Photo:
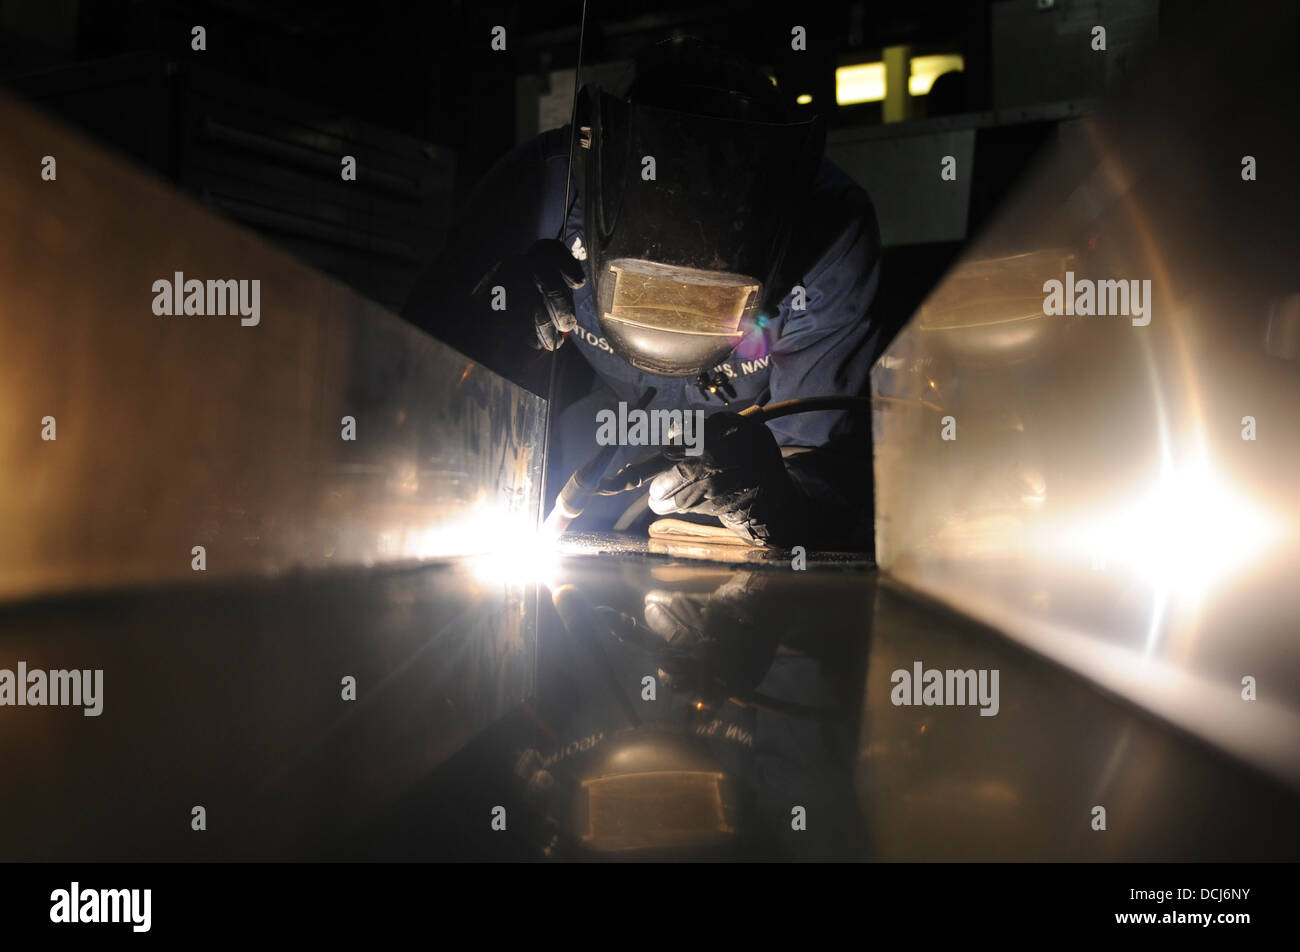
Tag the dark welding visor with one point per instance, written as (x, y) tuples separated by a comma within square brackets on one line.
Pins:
[(686, 219)]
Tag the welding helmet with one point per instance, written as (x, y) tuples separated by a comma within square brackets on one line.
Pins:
[(689, 186)]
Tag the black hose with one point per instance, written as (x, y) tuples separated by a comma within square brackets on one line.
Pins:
[(806, 405)]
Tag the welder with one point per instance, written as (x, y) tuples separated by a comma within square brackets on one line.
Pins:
[(702, 248)]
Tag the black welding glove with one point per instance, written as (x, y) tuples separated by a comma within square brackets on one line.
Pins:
[(740, 478), (538, 285)]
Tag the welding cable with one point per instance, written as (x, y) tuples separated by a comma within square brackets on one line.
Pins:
[(573, 119), (806, 405)]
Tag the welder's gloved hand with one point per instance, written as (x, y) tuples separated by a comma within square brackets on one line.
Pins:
[(722, 640), (739, 477), (539, 286)]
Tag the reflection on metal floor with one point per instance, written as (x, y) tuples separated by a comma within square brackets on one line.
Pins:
[(618, 544), (486, 697)]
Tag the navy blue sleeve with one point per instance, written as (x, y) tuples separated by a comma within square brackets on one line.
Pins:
[(517, 202), (827, 348)]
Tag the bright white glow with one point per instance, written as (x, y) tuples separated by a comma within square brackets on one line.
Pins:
[(500, 545), (531, 558), (1187, 531), (864, 82), (926, 69)]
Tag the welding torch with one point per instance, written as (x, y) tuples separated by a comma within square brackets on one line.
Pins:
[(587, 482)]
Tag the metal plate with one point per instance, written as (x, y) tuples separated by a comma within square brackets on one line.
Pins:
[(180, 431), (1105, 498)]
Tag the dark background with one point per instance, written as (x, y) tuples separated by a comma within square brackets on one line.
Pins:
[(253, 126), (426, 68)]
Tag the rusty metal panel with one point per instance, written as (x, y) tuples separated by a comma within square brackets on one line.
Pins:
[(220, 430)]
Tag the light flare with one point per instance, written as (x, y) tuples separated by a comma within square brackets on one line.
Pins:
[(499, 543), (1186, 532)]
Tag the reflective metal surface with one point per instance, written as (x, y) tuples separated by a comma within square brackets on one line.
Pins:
[(944, 783), (232, 698), (1118, 491), (626, 705), (180, 431)]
